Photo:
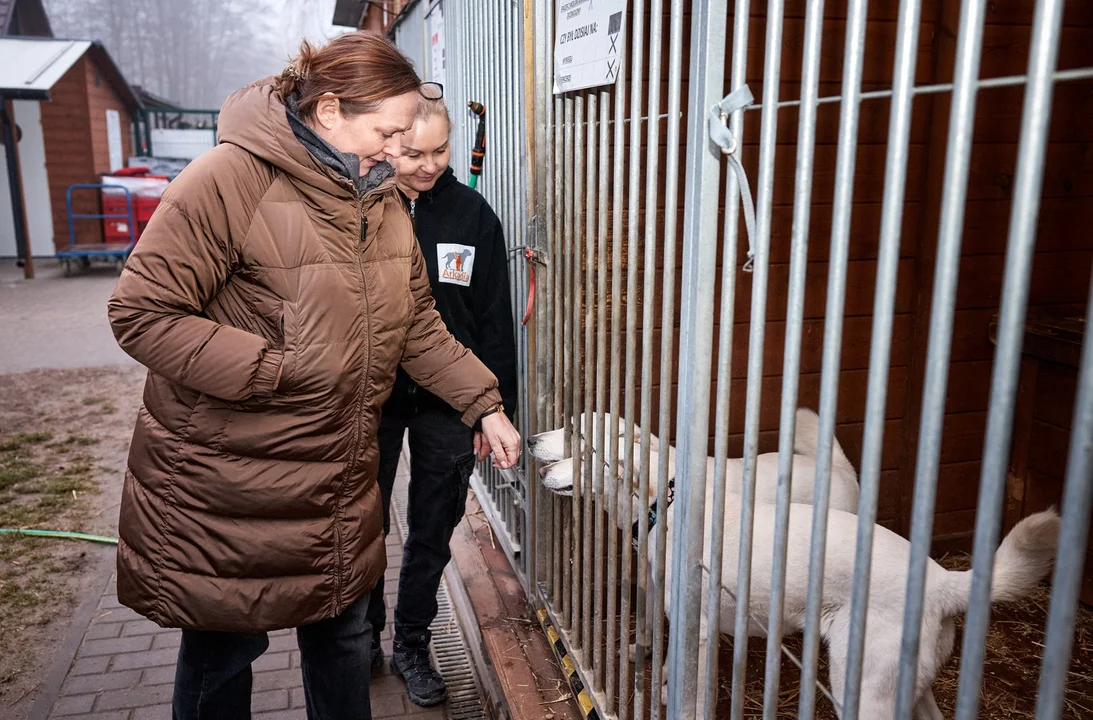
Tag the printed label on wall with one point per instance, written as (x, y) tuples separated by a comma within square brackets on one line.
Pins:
[(588, 43)]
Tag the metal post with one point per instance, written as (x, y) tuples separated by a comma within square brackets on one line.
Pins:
[(586, 476), (791, 362), (1035, 125), (580, 495), (833, 341), (569, 539), (772, 65), (696, 348), (954, 192), (618, 633), (1070, 557), (899, 132), (599, 551), (667, 342), (633, 205), (558, 259)]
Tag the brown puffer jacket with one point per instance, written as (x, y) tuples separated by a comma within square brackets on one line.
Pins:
[(247, 508)]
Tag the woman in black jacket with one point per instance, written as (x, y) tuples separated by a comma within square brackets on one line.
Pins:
[(467, 259)]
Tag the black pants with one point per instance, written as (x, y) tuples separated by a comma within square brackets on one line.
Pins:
[(441, 461), (213, 675)]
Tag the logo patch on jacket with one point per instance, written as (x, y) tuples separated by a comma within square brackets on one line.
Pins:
[(455, 263)]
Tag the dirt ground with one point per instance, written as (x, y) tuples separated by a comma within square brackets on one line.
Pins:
[(64, 437)]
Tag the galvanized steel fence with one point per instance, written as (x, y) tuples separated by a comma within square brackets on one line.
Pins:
[(600, 204)]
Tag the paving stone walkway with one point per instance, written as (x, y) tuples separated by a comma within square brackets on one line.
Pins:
[(124, 669)]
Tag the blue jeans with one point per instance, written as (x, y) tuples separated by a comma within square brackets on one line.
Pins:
[(213, 674)]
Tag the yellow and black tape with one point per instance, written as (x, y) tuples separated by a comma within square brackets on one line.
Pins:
[(575, 684)]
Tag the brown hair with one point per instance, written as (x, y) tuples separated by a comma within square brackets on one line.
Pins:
[(361, 69)]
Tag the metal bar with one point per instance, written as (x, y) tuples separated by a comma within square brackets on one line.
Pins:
[(772, 65), (590, 505), (489, 510), (1035, 126), (701, 195), (640, 119), (633, 207), (1070, 556), (1009, 81), (791, 361), (667, 341), (568, 535), (899, 134), (503, 79), (554, 268), (599, 551), (954, 192), (833, 342), (577, 439), (544, 370), (618, 631), (558, 322)]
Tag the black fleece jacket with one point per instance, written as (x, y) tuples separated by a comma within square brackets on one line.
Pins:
[(464, 247)]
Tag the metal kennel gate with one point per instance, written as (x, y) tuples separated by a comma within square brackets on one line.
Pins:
[(608, 225), (476, 51)]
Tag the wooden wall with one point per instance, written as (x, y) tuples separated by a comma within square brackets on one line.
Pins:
[(102, 96), (69, 157), (74, 124), (1064, 256), (1061, 273)]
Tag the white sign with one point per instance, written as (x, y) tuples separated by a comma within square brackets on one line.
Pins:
[(436, 44), (113, 139), (588, 44), (454, 263)]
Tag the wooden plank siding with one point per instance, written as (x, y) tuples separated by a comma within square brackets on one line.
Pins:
[(1063, 259), (77, 151), (1061, 272), (69, 158)]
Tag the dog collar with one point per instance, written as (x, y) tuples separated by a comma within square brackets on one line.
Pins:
[(653, 513)]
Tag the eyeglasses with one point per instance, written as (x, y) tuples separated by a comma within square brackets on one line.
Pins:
[(431, 90)]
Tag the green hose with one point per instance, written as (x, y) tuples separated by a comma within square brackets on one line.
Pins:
[(60, 534)]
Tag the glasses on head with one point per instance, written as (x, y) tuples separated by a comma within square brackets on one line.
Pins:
[(431, 90)]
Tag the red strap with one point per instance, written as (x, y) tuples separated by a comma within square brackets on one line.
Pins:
[(531, 286)]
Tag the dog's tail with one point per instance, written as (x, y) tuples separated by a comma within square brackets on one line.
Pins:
[(1022, 560), (806, 438)]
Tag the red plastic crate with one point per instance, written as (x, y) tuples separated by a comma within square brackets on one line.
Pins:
[(116, 231)]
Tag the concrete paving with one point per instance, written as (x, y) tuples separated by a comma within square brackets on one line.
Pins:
[(55, 321)]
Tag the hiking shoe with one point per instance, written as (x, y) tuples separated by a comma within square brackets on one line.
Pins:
[(424, 685), (377, 655)]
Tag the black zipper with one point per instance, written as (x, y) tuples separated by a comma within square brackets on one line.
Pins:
[(358, 411)]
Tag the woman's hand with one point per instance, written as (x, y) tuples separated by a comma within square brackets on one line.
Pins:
[(500, 437)]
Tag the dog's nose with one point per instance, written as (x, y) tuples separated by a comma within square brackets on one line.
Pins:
[(543, 471)]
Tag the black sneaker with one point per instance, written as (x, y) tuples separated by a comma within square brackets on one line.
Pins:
[(377, 655), (424, 685)]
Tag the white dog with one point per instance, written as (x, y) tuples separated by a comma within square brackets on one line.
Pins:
[(557, 476), (1021, 562)]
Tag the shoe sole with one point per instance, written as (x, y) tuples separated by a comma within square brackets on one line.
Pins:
[(428, 701)]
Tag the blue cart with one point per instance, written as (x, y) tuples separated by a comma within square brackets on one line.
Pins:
[(80, 255)]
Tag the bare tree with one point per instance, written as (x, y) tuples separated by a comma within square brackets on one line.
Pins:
[(194, 53)]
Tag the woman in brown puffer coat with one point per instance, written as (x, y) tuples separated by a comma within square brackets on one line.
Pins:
[(272, 296)]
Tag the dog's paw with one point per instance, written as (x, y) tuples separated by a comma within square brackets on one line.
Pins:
[(664, 694), (635, 652)]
